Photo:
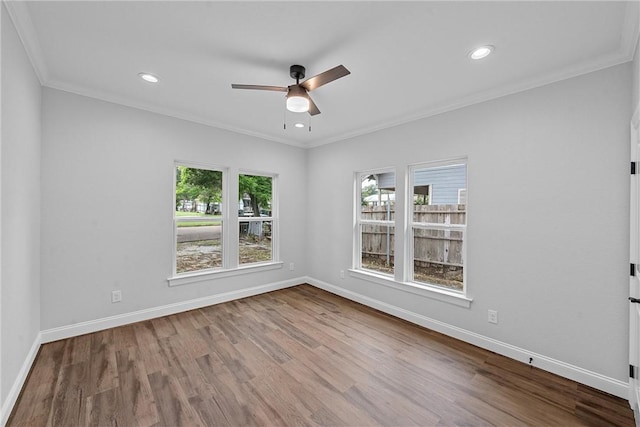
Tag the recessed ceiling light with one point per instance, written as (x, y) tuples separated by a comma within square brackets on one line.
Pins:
[(149, 77), (299, 125), (481, 52)]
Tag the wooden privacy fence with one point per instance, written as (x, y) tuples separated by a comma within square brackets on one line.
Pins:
[(441, 247)]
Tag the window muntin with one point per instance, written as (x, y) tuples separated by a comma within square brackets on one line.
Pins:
[(255, 218), (438, 228), (375, 222), (429, 230), (198, 219)]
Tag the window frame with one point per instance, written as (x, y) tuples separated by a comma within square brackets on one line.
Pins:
[(412, 225), (403, 250), (273, 219), (230, 235), (359, 222)]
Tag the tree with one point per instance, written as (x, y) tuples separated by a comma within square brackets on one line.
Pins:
[(258, 188), (367, 191), (203, 184)]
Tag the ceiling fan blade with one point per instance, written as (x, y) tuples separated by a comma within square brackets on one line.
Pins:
[(260, 87), (324, 78), (313, 108)]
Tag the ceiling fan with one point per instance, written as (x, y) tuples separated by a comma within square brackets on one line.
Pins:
[(298, 99)]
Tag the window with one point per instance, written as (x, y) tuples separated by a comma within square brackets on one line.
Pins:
[(198, 219), (425, 232), (438, 228), (255, 217), (375, 222), (208, 241)]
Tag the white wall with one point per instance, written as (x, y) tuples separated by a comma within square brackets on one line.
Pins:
[(20, 200), (548, 216), (107, 206)]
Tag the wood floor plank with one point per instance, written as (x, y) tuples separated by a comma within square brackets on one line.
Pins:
[(139, 408), (331, 397), (124, 337), (173, 405), (35, 406), (297, 356), (103, 409), (69, 402), (103, 367)]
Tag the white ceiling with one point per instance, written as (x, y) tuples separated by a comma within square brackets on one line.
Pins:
[(408, 60)]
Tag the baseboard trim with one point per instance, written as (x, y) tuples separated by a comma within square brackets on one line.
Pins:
[(566, 370), (96, 325), (14, 393)]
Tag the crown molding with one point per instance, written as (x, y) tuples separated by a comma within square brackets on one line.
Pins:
[(170, 112), (535, 82), (19, 15), (630, 29)]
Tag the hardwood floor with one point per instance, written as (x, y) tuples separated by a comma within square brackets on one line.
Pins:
[(299, 356)]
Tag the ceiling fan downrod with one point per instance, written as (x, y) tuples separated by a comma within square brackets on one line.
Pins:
[(297, 72)]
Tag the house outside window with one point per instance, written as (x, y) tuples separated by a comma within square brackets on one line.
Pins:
[(430, 229), (375, 222), (438, 228)]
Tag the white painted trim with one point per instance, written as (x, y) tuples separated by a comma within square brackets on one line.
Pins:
[(19, 15), (575, 71), (431, 292), (566, 370), (165, 111), (218, 274), (14, 393), (90, 326), (630, 29), (18, 11)]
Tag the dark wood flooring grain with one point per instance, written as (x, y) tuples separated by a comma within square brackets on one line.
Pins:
[(299, 356)]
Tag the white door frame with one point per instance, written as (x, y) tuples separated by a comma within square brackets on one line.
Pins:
[(634, 258)]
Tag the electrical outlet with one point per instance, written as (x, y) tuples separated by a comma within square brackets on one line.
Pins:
[(342, 274), (116, 296), (292, 266), (493, 316)]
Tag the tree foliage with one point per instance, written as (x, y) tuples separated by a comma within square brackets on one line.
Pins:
[(198, 184), (368, 190), (258, 188)]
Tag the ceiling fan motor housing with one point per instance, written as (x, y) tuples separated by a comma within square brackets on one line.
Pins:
[(297, 72)]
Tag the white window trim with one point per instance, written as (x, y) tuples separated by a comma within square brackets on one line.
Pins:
[(203, 275), (275, 226), (404, 242), (434, 226), (358, 221), (230, 262), (431, 292)]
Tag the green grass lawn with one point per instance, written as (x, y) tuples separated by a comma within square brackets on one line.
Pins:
[(207, 220)]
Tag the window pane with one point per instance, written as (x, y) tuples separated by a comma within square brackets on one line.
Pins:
[(198, 247), (378, 195), (255, 195), (377, 243), (198, 206), (437, 258), (198, 191), (439, 194), (255, 242)]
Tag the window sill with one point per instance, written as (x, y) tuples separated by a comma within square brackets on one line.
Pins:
[(201, 276), (438, 294)]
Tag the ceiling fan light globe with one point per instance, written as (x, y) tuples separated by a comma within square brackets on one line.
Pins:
[(297, 104)]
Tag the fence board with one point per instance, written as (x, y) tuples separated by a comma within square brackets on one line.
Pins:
[(441, 247)]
